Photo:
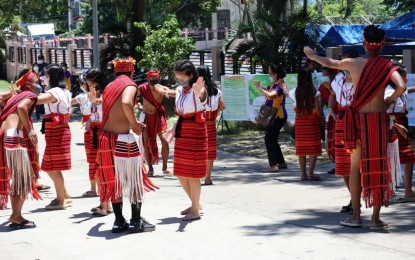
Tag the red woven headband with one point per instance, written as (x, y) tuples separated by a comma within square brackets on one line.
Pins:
[(153, 74), (22, 81), (373, 46), (124, 65)]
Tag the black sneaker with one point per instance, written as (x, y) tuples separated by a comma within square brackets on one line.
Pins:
[(119, 226), (141, 226)]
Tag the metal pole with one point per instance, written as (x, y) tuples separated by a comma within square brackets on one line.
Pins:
[(69, 15), (95, 32)]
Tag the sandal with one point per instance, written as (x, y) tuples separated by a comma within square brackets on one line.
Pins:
[(90, 194), (349, 223), (101, 213), (42, 187), (22, 225), (314, 178), (96, 209), (150, 174), (379, 226), (54, 205)]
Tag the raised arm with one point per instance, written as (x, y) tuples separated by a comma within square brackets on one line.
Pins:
[(165, 90), (45, 98), (268, 95), (345, 64)]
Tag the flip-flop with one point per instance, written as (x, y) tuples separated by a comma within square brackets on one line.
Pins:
[(166, 172), (349, 223), (304, 178), (314, 178), (379, 226), (90, 194), (42, 187), (101, 213), (207, 183), (22, 225), (150, 174), (191, 219)]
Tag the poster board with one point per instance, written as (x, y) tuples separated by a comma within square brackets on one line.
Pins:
[(410, 105)]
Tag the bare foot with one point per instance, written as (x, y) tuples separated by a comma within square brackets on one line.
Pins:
[(186, 211), (191, 216)]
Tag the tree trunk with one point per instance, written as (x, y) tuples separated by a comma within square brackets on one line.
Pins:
[(138, 37)]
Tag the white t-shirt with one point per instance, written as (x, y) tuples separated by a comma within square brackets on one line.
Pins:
[(212, 102), (84, 104), (343, 90), (291, 95), (63, 103), (399, 106), (188, 103)]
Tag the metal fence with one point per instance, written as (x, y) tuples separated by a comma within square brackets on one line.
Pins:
[(83, 58)]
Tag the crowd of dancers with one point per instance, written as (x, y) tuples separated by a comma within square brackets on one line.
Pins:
[(116, 156), (367, 133)]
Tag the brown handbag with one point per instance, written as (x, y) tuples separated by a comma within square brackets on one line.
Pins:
[(265, 116)]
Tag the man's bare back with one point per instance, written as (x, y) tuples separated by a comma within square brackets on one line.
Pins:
[(117, 120), (376, 104), (12, 121)]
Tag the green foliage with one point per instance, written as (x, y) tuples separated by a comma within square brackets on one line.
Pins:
[(272, 40), (163, 46), (401, 5)]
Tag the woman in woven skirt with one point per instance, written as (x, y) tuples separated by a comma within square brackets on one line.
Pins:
[(190, 148), (308, 118), (57, 155), (213, 106)]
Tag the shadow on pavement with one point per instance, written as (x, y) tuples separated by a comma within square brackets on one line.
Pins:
[(107, 234), (175, 220), (84, 215)]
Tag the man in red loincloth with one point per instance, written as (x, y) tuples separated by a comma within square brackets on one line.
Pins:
[(368, 144), (155, 121)]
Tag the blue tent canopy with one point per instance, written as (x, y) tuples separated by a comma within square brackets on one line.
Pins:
[(342, 34), (404, 22)]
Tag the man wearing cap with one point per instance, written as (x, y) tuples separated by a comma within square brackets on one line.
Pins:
[(120, 168), (18, 157), (155, 121)]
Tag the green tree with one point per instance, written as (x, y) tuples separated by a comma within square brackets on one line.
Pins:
[(401, 5), (163, 46), (272, 40)]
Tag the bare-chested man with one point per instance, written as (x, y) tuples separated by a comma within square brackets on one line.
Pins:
[(155, 121), (18, 143), (366, 133), (119, 159)]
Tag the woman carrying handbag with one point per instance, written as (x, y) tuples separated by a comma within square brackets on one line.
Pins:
[(275, 97)]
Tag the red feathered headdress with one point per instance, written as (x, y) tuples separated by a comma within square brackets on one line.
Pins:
[(124, 65)]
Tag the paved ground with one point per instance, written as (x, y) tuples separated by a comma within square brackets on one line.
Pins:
[(247, 215)]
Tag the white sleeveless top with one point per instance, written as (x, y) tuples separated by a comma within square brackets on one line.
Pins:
[(343, 90), (63, 103), (212, 103), (399, 106), (187, 103)]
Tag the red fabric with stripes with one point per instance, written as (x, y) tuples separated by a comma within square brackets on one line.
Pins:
[(374, 78), (374, 165), (156, 123), (5, 175), (57, 155), (307, 135), (106, 171), (190, 150), (325, 94), (330, 140), (342, 160), (406, 150), (91, 149)]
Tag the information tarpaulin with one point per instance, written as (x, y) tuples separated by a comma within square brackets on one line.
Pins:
[(235, 95)]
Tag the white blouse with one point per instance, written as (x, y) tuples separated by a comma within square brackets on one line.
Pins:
[(212, 102), (399, 106), (343, 90), (187, 103), (63, 103), (291, 95)]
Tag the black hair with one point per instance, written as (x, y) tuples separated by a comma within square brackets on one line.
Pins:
[(279, 70), (96, 75), (56, 76), (40, 57), (351, 53), (204, 71), (401, 69), (22, 72), (305, 93), (187, 67), (373, 34), (64, 64)]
